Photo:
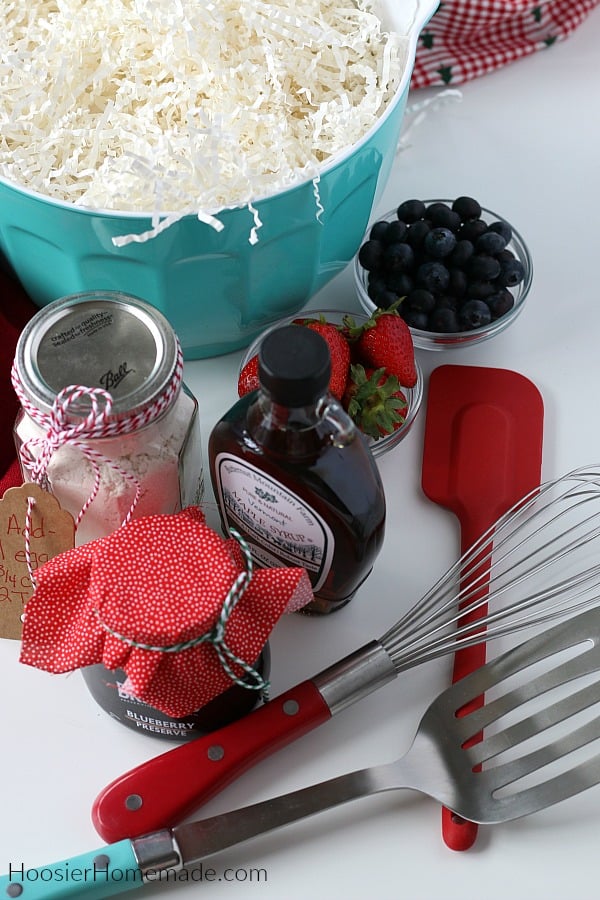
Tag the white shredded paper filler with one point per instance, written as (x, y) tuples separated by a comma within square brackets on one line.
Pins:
[(186, 106)]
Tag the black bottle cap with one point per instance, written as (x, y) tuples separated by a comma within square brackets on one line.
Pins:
[(294, 365)]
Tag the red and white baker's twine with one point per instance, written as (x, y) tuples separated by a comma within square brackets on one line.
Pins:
[(60, 428), (27, 536)]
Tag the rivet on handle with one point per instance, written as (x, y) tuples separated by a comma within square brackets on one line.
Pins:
[(215, 752)]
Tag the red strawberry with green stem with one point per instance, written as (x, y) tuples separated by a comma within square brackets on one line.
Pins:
[(385, 341), (375, 401)]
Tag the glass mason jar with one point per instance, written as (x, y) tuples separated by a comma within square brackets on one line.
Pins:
[(106, 424)]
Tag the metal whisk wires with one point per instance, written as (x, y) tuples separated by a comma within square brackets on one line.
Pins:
[(539, 561)]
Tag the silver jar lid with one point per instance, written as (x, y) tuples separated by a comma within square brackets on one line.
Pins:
[(97, 339)]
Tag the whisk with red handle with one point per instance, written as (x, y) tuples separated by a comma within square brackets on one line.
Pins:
[(544, 563)]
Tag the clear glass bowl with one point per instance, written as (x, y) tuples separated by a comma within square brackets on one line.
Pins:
[(414, 396), (436, 340)]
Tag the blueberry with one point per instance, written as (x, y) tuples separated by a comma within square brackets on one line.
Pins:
[(387, 299), (414, 318), (441, 216), (490, 242), (421, 257), (411, 211), (458, 282), (395, 232), (433, 276), (471, 230), (474, 314), (483, 268), (480, 290), (378, 230), (370, 255), (440, 242), (467, 208), (399, 282), (444, 320), (503, 228), (421, 300), (500, 303), (505, 255), (398, 257), (417, 233), (377, 290), (511, 273), (446, 301), (375, 286), (462, 253)]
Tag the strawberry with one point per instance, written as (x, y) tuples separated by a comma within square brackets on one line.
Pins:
[(374, 401), (339, 350), (385, 341), (248, 377)]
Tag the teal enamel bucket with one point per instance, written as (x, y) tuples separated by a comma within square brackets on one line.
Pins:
[(218, 290)]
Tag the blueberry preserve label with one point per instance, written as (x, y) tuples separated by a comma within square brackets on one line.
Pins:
[(280, 527)]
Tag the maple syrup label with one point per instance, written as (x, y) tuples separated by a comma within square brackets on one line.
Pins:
[(51, 531), (279, 526)]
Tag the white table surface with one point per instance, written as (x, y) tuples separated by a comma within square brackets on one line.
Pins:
[(524, 141)]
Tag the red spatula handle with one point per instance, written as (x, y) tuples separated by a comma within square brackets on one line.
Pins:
[(161, 792), (459, 833)]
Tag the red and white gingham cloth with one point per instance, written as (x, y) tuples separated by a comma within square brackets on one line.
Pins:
[(468, 38)]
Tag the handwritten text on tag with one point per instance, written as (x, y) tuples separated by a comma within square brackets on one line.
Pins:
[(51, 531)]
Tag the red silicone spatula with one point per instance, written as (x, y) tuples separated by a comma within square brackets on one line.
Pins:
[(482, 453)]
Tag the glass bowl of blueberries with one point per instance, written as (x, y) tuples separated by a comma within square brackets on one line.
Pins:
[(457, 273)]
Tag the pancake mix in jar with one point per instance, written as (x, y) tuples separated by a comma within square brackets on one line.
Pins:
[(107, 424)]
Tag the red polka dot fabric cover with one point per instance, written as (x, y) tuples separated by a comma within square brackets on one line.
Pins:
[(160, 580), (468, 38)]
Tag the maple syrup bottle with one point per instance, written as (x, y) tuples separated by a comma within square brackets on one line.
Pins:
[(294, 476)]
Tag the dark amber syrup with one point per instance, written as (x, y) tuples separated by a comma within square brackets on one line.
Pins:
[(341, 484)]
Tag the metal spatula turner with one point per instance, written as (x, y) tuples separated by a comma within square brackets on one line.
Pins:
[(558, 671)]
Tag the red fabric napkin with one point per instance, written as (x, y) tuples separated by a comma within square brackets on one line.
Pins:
[(468, 38), (15, 311), (158, 581)]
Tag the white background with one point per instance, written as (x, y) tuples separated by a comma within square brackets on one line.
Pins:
[(524, 141)]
